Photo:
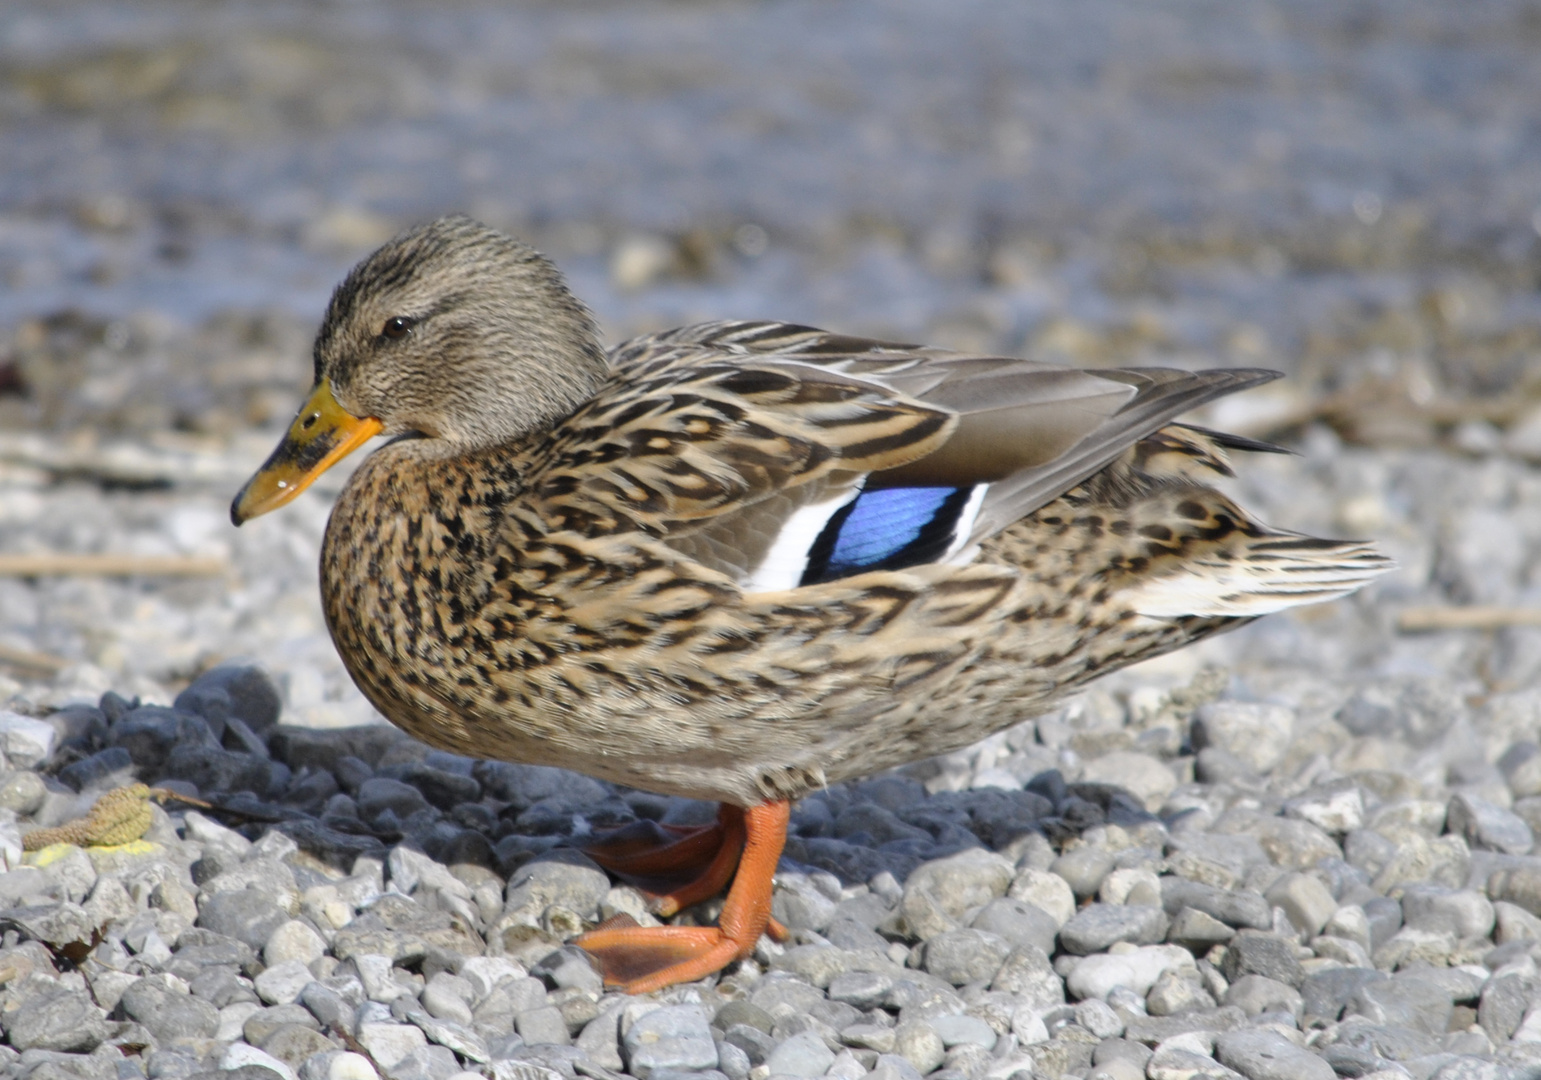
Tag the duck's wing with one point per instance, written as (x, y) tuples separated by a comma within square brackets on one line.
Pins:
[(783, 455)]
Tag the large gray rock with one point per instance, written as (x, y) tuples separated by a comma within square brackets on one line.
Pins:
[(57, 1019), (248, 915), (167, 1014), (673, 1037), (965, 956), (1257, 733), (1097, 926), (939, 892), (1260, 1054), (243, 692), (1019, 922), (1252, 952), (1488, 826)]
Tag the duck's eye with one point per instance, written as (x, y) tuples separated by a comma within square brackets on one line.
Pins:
[(398, 327)]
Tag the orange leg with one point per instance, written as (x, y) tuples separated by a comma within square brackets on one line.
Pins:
[(665, 860), (641, 959)]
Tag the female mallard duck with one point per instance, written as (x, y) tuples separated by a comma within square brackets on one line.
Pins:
[(742, 560)]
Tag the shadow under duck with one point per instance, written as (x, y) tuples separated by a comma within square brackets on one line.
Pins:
[(742, 560)]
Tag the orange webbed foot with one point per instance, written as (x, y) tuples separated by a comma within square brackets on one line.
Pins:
[(641, 959)]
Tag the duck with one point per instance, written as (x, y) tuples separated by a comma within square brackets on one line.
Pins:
[(742, 560)]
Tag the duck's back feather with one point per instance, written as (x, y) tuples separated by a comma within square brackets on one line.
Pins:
[(885, 455)]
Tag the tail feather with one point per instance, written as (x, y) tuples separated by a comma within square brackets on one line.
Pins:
[(1259, 576)]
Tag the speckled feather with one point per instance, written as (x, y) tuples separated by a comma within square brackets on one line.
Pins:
[(575, 595)]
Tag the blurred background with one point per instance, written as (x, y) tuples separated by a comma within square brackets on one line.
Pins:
[(1349, 192)]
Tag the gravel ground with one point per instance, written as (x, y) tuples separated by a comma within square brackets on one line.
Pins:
[(1303, 849)]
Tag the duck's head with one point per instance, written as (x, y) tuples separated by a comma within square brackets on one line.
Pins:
[(452, 332)]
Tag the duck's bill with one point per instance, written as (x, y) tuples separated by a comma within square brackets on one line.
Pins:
[(322, 435)]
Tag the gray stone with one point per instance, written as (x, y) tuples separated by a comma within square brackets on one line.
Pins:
[(293, 1043), (426, 1063), (27, 742), (1253, 952), (1434, 908), (893, 1067), (1027, 973), (468, 1044), (1488, 826), (672, 1037), (818, 964), (563, 878), (801, 904), (1241, 908), (569, 968), (94, 771), (964, 1030), (213, 769), (262, 1023), (150, 733), (380, 794), (389, 1043), (1046, 891), (329, 1007), (600, 1041), (448, 997), (938, 893), (863, 989), (1326, 994), (801, 1055), (57, 1019), (1018, 922), (233, 690), (1521, 768), (1258, 994), (783, 997), (441, 788), (1097, 926), (739, 1011), (1306, 901), (1257, 733), (1514, 923), (755, 1043), (1138, 969), (1198, 930), (22, 792), (544, 1025), (1260, 1054), (965, 956), (1099, 1018), (1177, 992), (248, 915), (167, 1014), (293, 940), (1336, 809), (1384, 916), (918, 1043), (1155, 1030), (281, 984), (1083, 869), (1504, 1003)]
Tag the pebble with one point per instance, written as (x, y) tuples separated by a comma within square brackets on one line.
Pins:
[(672, 1037), (1485, 825), (1097, 926), (1266, 1055)]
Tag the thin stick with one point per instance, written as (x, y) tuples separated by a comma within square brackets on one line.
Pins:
[(23, 658), (1414, 620), (55, 564)]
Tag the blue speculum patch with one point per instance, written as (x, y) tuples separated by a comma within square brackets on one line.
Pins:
[(886, 529)]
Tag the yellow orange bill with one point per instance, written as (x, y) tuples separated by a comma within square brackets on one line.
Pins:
[(322, 435)]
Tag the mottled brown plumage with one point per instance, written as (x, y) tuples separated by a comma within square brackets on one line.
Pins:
[(640, 568)]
